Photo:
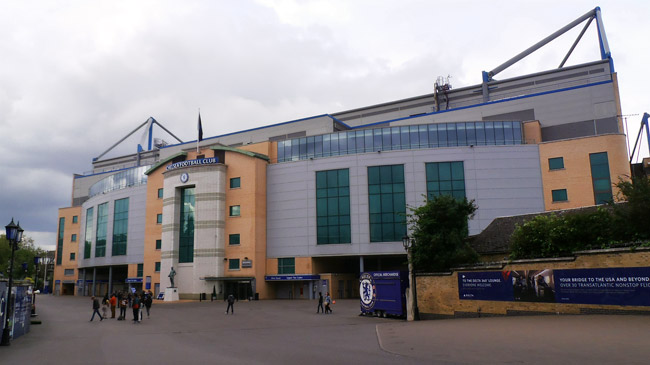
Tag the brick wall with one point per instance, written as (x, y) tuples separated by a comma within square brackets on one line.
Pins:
[(438, 293)]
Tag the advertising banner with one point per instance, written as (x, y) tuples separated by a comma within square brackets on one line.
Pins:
[(3, 303), (611, 286)]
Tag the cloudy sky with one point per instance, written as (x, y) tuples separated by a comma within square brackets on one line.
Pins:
[(77, 76)]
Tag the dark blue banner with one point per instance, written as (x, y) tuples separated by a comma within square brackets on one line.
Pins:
[(487, 285), (615, 286), (628, 286)]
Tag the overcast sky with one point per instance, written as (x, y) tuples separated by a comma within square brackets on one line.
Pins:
[(76, 76)]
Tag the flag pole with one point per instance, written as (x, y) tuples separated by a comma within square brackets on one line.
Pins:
[(200, 133)]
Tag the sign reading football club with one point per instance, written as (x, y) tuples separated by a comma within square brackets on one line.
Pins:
[(197, 162), (367, 291)]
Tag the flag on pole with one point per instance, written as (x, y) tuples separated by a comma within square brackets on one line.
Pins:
[(200, 128)]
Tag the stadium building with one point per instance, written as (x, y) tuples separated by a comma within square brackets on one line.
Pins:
[(291, 209)]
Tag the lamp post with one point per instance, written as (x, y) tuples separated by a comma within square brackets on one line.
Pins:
[(408, 244), (14, 235), (36, 262)]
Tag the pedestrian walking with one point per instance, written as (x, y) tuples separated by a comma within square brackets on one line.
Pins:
[(113, 301), (328, 302), (135, 305), (148, 300), (320, 303), (105, 309), (96, 309), (123, 304), (231, 302)]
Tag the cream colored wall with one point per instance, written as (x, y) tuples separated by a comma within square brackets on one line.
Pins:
[(576, 175), (68, 246), (153, 230)]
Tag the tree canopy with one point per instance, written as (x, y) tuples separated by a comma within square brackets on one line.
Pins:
[(24, 254), (439, 228)]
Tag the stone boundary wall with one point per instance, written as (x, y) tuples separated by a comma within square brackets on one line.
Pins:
[(438, 293)]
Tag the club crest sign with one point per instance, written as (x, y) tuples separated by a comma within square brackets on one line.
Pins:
[(367, 291)]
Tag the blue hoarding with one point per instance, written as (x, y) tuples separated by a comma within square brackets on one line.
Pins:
[(609, 286)]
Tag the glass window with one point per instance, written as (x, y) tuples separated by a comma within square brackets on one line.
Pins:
[(72, 256), (405, 138), (235, 211), (333, 206), (414, 137), (59, 244), (600, 176), (318, 146), (302, 142), (508, 133), (159, 218), (73, 238), (480, 133), (326, 145), (102, 230), (233, 239), (395, 138), (68, 272), (88, 237), (120, 226), (287, 265), (158, 244), (452, 137), (367, 135), (424, 136), (556, 163), (499, 133), (281, 151), (235, 182), (157, 266), (75, 219), (559, 195), (489, 133), (386, 203), (445, 178), (310, 147), (233, 264), (160, 193), (186, 236), (471, 134), (140, 269), (334, 144)]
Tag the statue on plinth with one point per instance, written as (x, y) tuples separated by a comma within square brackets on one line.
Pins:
[(171, 275)]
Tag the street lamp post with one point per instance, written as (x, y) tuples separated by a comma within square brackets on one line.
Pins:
[(36, 262), (14, 235), (408, 244)]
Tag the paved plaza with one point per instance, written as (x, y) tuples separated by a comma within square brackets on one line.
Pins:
[(283, 331)]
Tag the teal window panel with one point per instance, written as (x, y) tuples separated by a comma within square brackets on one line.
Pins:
[(234, 239), (287, 265), (75, 219), (385, 202), (233, 264), (601, 179), (332, 206), (59, 244), (446, 178), (73, 238), (559, 195), (157, 266), (556, 163), (235, 182), (160, 193), (235, 211), (88, 237), (140, 270), (186, 235), (72, 256), (102, 230), (120, 226), (158, 244)]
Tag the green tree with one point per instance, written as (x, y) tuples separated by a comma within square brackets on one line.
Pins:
[(25, 253), (633, 216), (440, 230)]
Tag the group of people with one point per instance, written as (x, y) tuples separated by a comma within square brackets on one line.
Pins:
[(328, 302), (136, 301)]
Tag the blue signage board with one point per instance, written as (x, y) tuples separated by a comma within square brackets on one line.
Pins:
[(624, 286), (133, 280), (487, 285), (614, 286), (198, 162), (291, 277), (383, 291)]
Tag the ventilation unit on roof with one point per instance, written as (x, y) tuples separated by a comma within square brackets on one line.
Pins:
[(159, 142)]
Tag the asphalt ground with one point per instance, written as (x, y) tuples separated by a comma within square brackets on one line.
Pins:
[(283, 331)]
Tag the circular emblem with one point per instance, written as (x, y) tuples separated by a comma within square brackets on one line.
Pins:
[(367, 291), (184, 177)]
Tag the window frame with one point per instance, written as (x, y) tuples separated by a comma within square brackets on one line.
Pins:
[(235, 181), (231, 266), (553, 160), (559, 191), (286, 265), (231, 239), (232, 209)]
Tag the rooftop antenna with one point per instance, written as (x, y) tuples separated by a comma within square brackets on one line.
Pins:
[(443, 86)]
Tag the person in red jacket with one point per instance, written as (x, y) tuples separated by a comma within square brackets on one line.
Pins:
[(113, 305)]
